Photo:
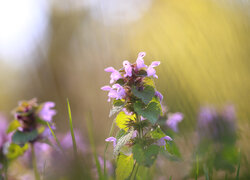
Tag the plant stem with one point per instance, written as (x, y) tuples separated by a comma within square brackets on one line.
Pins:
[(6, 166), (34, 163), (136, 171), (132, 171), (138, 119)]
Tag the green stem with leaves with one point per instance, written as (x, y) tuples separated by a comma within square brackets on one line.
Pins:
[(34, 162)]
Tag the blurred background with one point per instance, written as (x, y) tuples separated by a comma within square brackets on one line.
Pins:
[(58, 49)]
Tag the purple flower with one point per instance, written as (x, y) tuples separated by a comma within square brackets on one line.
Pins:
[(47, 113), (128, 69), (162, 141), (117, 91), (173, 120), (111, 139), (66, 141), (3, 127), (140, 62), (115, 75), (109, 165), (151, 71), (159, 95)]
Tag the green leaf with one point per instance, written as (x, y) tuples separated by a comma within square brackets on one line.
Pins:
[(124, 166), (145, 156), (13, 126), (122, 120), (173, 149), (147, 81), (21, 138), (122, 141), (14, 151), (145, 95), (157, 133), (117, 107), (150, 112), (72, 129)]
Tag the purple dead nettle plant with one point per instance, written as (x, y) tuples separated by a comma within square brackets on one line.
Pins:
[(138, 105), (30, 128)]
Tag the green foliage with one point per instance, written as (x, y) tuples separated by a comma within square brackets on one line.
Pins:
[(145, 95), (72, 129), (13, 126), (173, 149), (117, 107), (147, 81), (122, 120), (122, 141), (21, 138), (157, 133), (145, 155), (151, 112), (124, 166), (14, 151)]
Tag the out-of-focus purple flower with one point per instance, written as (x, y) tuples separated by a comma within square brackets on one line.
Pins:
[(140, 62), (159, 95), (207, 114), (117, 91), (217, 125), (111, 139), (115, 75), (67, 143), (162, 141), (109, 165), (173, 121), (151, 71), (228, 113), (47, 113), (128, 69)]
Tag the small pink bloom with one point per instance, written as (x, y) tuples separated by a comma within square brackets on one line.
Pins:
[(128, 68)]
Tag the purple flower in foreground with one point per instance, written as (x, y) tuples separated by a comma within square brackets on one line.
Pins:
[(140, 62), (173, 121), (151, 71), (117, 91), (111, 139), (128, 69), (159, 95), (162, 141), (115, 75), (47, 113)]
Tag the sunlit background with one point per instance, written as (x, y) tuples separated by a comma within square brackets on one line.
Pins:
[(54, 50)]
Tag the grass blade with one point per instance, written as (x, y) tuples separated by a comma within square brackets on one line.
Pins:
[(89, 121), (238, 169), (53, 134), (206, 172), (71, 129), (197, 167)]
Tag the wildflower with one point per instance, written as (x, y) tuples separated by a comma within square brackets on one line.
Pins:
[(46, 113), (116, 92), (128, 69), (151, 71), (111, 139), (162, 141), (217, 125), (115, 75), (173, 121), (140, 62), (34, 116), (159, 95)]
